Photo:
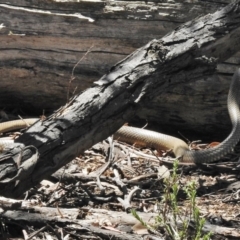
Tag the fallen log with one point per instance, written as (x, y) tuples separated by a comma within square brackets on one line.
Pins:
[(185, 55), (30, 59), (37, 74)]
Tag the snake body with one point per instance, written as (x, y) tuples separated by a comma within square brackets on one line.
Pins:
[(16, 124), (181, 150), (12, 126), (147, 138)]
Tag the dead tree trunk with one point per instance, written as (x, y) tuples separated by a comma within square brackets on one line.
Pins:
[(183, 56), (42, 43)]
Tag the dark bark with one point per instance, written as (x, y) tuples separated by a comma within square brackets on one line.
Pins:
[(42, 41), (183, 56)]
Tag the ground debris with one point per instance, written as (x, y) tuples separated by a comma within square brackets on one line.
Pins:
[(92, 197)]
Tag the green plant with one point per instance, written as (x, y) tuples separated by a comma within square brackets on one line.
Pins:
[(173, 219)]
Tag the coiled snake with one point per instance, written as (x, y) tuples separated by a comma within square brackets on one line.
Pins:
[(156, 140)]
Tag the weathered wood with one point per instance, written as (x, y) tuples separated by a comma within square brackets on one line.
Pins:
[(71, 224), (41, 42), (178, 58), (20, 210)]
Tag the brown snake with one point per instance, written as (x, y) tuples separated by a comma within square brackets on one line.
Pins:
[(156, 140)]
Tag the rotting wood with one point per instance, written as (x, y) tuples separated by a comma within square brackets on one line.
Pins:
[(183, 56)]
